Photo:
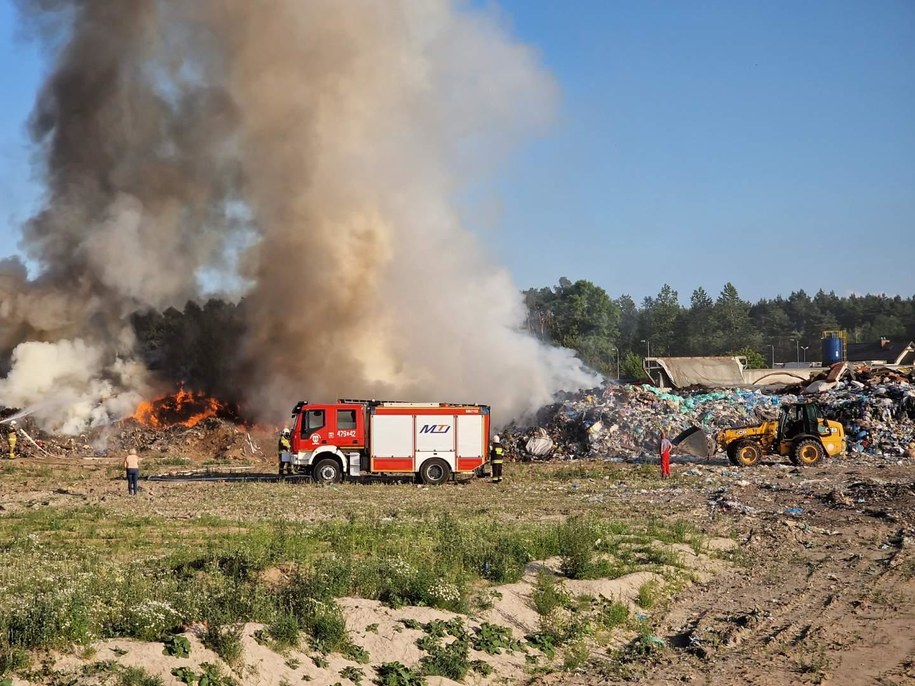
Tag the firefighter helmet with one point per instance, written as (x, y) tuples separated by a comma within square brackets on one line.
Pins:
[(285, 432), (12, 422), (495, 439)]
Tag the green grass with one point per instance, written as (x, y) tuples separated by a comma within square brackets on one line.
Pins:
[(137, 676), (80, 573), (13, 660), (548, 594), (225, 641), (284, 631), (648, 595)]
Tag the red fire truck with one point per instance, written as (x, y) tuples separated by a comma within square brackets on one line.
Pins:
[(357, 438)]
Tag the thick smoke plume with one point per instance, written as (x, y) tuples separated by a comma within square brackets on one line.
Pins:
[(306, 151)]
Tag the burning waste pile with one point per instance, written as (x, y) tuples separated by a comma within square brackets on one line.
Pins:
[(876, 407), (181, 424)]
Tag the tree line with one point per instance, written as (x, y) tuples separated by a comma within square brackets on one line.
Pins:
[(200, 345), (612, 335)]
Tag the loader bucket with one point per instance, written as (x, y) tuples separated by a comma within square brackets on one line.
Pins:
[(694, 441)]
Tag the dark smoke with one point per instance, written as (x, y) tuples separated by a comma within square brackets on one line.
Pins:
[(304, 152)]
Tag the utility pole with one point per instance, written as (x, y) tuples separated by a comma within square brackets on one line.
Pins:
[(648, 344), (773, 355), (797, 346)]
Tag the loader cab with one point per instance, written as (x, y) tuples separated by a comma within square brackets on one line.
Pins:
[(801, 419)]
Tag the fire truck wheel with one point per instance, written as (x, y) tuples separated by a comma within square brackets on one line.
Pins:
[(434, 472), (327, 471)]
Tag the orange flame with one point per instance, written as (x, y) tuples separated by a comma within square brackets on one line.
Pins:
[(184, 408)]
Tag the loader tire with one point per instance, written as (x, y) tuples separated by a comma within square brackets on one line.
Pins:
[(807, 452), (327, 471), (732, 453), (747, 453), (434, 472)]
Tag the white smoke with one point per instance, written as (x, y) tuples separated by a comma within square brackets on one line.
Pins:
[(68, 388), (345, 130)]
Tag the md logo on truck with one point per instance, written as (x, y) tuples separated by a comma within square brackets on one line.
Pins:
[(435, 429)]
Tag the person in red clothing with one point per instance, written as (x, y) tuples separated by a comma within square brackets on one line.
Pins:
[(664, 450)]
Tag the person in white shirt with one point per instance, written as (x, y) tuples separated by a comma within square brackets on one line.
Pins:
[(132, 465)]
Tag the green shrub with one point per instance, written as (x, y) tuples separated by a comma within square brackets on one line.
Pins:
[(481, 667), (504, 562), (449, 660), (225, 641), (177, 646), (397, 674), (548, 594), (612, 614), (185, 675), (577, 540), (214, 676), (49, 619), (326, 627), (575, 656), (137, 676), (354, 674), (13, 660), (355, 653), (648, 595), (544, 642), (284, 631), (492, 639)]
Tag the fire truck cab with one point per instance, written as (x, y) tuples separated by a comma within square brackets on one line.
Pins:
[(358, 438)]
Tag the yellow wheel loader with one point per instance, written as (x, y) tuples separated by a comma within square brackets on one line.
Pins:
[(800, 433)]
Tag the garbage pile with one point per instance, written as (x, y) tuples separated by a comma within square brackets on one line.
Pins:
[(616, 421), (876, 407), (211, 438)]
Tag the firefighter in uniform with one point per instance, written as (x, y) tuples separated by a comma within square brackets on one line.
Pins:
[(11, 439), (282, 453), (496, 458)]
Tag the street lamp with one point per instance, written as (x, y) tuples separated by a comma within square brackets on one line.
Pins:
[(804, 348), (647, 343), (773, 355), (617, 362), (797, 347)]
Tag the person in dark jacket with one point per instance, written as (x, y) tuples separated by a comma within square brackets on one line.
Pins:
[(496, 458)]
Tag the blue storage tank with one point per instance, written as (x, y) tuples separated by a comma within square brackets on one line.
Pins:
[(832, 350)]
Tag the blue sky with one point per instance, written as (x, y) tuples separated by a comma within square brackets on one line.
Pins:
[(767, 143)]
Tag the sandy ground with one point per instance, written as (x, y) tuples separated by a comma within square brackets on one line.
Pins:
[(826, 594), (818, 585)]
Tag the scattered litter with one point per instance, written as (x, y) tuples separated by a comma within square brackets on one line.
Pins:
[(655, 640)]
